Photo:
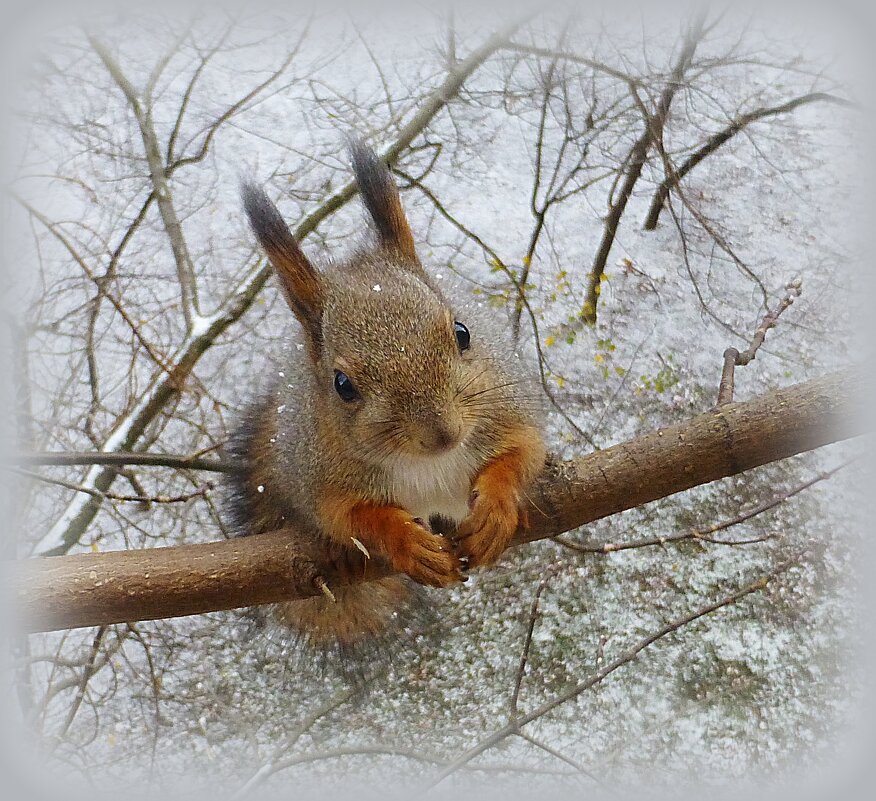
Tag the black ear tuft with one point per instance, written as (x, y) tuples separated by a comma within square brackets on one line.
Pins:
[(380, 195), (299, 279)]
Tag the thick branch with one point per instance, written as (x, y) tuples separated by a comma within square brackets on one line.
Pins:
[(102, 588)]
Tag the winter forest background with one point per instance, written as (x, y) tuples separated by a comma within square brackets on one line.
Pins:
[(138, 315)]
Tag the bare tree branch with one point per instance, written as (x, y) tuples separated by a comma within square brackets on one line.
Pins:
[(158, 174), (705, 534), (722, 137), (654, 123), (514, 726), (93, 589), (599, 66), (733, 358), (120, 459)]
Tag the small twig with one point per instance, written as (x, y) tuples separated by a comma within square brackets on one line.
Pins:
[(524, 655), (90, 669), (598, 66), (733, 358), (203, 489), (650, 542), (561, 756)]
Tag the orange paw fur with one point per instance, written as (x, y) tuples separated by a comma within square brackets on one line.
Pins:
[(390, 532), (495, 513), (426, 557), (487, 531)]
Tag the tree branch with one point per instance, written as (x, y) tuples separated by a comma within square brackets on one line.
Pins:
[(158, 175), (652, 133), (122, 459), (723, 136), (733, 358), (515, 724), (575, 58), (101, 588)]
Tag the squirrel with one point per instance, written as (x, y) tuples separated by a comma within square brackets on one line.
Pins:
[(393, 418)]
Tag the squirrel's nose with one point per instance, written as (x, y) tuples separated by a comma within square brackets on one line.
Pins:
[(443, 434), (444, 439)]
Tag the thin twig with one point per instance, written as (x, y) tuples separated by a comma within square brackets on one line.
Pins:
[(120, 458), (524, 655), (704, 534), (716, 140), (733, 358), (514, 726), (111, 496)]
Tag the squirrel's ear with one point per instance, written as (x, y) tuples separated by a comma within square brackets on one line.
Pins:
[(380, 195), (298, 277)]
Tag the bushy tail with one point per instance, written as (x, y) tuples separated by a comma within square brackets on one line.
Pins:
[(362, 628)]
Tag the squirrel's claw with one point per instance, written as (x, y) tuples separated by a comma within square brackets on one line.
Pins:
[(486, 532), (428, 558)]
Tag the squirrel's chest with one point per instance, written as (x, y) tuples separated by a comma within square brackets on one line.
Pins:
[(437, 486)]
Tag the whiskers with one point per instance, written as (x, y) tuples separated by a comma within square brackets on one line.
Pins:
[(474, 402), (385, 440)]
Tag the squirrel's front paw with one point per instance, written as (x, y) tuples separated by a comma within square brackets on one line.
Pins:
[(488, 529), (426, 557)]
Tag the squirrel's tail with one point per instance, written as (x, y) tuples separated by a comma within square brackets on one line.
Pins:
[(362, 627)]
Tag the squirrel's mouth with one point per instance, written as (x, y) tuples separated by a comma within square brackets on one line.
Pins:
[(438, 440), (418, 453)]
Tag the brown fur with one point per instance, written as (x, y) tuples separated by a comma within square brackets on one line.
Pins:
[(434, 431)]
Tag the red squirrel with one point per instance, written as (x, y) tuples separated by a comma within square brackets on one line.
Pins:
[(399, 407)]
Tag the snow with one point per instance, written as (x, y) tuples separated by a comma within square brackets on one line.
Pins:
[(762, 687)]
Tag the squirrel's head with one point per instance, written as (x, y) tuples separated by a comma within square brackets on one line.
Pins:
[(399, 373)]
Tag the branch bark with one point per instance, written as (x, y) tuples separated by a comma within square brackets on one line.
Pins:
[(102, 588)]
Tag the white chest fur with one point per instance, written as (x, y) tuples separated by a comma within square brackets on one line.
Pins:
[(438, 485)]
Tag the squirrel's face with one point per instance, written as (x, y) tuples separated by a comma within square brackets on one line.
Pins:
[(397, 375), (396, 366)]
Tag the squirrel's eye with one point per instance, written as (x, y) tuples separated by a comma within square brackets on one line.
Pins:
[(463, 338), (344, 387)]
